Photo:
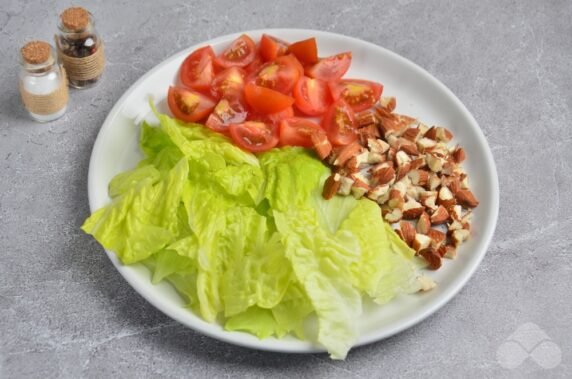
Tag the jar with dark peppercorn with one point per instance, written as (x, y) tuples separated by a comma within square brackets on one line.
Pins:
[(80, 48)]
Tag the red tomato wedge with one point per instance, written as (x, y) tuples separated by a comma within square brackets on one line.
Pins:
[(197, 70), (330, 68), (240, 53), (311, 96), (266, 101), (228, 83), (189, 106), (280, 75), (254, 65), (226, 112), (340, 123), (306, 51), (254, 136), (295, 131), (359, 94), (273, 118), (272, 47)]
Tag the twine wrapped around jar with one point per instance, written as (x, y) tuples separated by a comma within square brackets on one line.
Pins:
[(86, 68), (49, 103)]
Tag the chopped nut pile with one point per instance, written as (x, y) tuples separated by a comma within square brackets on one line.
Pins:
[(413, 173)]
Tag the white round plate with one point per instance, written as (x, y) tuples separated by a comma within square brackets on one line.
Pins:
[(418, 94)]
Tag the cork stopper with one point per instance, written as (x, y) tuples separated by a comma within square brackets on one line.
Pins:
[(75, 19), (36, 52)]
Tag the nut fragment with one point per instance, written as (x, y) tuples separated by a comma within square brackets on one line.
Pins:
[(445, 197), (396, 199), (418, 177), (423, 224), (412, 209), (395, 215), (423, 144), (434, 162), (433, 182), (345, 186), (421, 242), (432, 258), (384, 175), (437, 238), (411, 134), (458, 155), (428, 199), (440, 215), (466, 198), (407, 232), (459, 236), (378, 192), (377, 146), (426, 283), (331, 186)]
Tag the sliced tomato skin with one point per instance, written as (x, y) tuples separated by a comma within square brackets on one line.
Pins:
[(272, 47), (253, 66), (228, 83), (275, 118), (197, 69), (340, 124), (280, 75), (306, 50), (200, 109), (296, 131), (330, 68), (359, 101), (240, 53), (226, 112), (254, 136), (265, 100), (311, 96), (291, 59)]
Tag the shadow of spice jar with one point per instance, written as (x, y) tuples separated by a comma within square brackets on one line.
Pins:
[(80, 48)]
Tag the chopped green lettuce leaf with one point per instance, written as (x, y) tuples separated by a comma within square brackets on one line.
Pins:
[(249, 240)]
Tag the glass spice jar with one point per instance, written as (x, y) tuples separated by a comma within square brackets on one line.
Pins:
[(42, 80), (80, 48)]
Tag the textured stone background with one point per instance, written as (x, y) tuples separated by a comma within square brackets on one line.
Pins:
[(66, 312)]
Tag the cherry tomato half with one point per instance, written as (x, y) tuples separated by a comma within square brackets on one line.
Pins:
[(306, 51), (266, 101), (296, 131), (272, 47), (311, 96), (339, 122), (330, 68), (254, 136), (272, 118), (280, 75), (228, 83), (240, 53), (359, 94), (189, 106), (197, 70), (226, 112)]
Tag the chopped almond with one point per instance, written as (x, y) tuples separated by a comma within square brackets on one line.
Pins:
[(424, 223), (428, 198), (394, 216), (445, 197), (465, 197), (432, 258), (407, 232), (421, 242), (437, 238), (347, 152), (331, 186), (412, 209), (440, 215), (459, 236), (384, 175), (418, 177), (458, 155), (396, 199)]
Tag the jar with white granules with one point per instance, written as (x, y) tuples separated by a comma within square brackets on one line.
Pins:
[(42, 81)]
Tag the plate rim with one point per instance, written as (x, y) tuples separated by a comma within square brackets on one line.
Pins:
[(305, 346)]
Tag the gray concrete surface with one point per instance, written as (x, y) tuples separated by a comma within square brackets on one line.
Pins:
[(66, 312)]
